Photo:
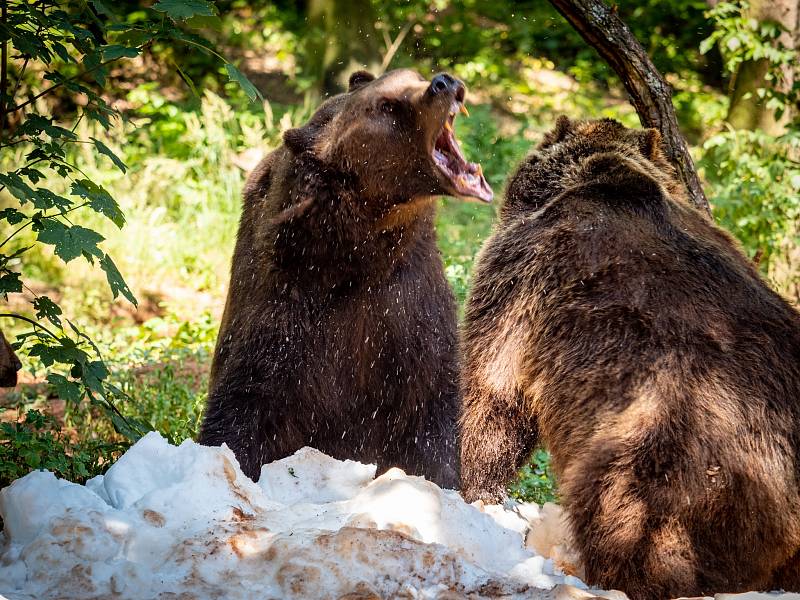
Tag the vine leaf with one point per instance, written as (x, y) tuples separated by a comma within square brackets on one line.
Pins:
[(94, 373)]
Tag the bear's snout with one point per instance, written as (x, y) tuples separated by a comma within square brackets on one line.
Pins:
[(445, 83)]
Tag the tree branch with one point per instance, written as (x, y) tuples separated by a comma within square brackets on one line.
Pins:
[(649, 93)]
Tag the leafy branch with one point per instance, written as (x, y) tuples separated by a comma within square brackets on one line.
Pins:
[(73, 45)]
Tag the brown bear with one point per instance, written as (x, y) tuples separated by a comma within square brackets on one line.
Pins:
[(613, 322), (339, 331), (9, 363)]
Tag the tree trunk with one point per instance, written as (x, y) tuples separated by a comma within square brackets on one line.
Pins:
[(600, 26), (747, 110), (344, 40)]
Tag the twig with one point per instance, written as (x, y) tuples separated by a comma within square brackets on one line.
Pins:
[(650, 94), (395, 46), (57, 85), (31, 321), (30, 221)]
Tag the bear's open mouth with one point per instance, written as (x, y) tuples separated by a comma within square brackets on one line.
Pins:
[(466, 177)]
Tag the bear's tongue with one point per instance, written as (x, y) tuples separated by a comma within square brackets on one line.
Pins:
[(466, 177)]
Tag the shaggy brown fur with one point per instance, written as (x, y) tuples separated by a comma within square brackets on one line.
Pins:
[(339, 329), (9, 363), (616, 324)]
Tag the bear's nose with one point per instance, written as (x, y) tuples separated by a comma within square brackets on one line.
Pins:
[(443, 83)]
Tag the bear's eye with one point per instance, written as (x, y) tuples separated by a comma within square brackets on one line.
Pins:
[(389, 106)]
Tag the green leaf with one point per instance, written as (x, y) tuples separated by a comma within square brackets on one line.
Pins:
[(187, 80), (44, 199), (94, 373), (47, 309), (99, 200), (180, 10), (115, 280), (35, 124), (33, 175), (18, 188), (135, 37), (105, 150), (201, 22), (70, 241), (12, 215), (10, 283), (133, 429), (64, 388), (103, 7), (62, 350), (115, 51), (247, 86)]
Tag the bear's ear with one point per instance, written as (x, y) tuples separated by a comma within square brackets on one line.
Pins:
[(650, 144), (358, 79), (299, 139), (562, 128)]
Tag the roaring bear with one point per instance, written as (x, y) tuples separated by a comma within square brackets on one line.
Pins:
[(616, 324), (339, 330)]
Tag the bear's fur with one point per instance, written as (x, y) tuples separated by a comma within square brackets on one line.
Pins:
[(616, 324), (339, 331), (9, 363)]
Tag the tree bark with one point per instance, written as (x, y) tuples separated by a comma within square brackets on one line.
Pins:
[(747, 110), (348, 41), (650, 94)]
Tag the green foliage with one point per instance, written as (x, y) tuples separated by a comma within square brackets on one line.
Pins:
[(38, 442), (742, 38), (756, 176), (71, 46), (164, 379), (535, 481), (756, 180)]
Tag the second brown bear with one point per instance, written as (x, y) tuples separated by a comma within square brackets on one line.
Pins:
[(616, 324)]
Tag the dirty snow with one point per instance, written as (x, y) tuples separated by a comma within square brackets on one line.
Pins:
[(184, 522)]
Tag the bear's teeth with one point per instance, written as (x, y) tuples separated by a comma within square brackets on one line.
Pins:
[(463, 110)]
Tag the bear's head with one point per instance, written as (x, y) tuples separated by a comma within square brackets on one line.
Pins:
[(602, 151), (393, 138)]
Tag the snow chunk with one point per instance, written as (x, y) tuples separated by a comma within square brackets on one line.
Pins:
[(311, 476)]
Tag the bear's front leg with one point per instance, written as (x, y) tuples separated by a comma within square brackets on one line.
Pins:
[(496, 438)]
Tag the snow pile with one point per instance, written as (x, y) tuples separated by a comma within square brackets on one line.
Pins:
[(184, 522)]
